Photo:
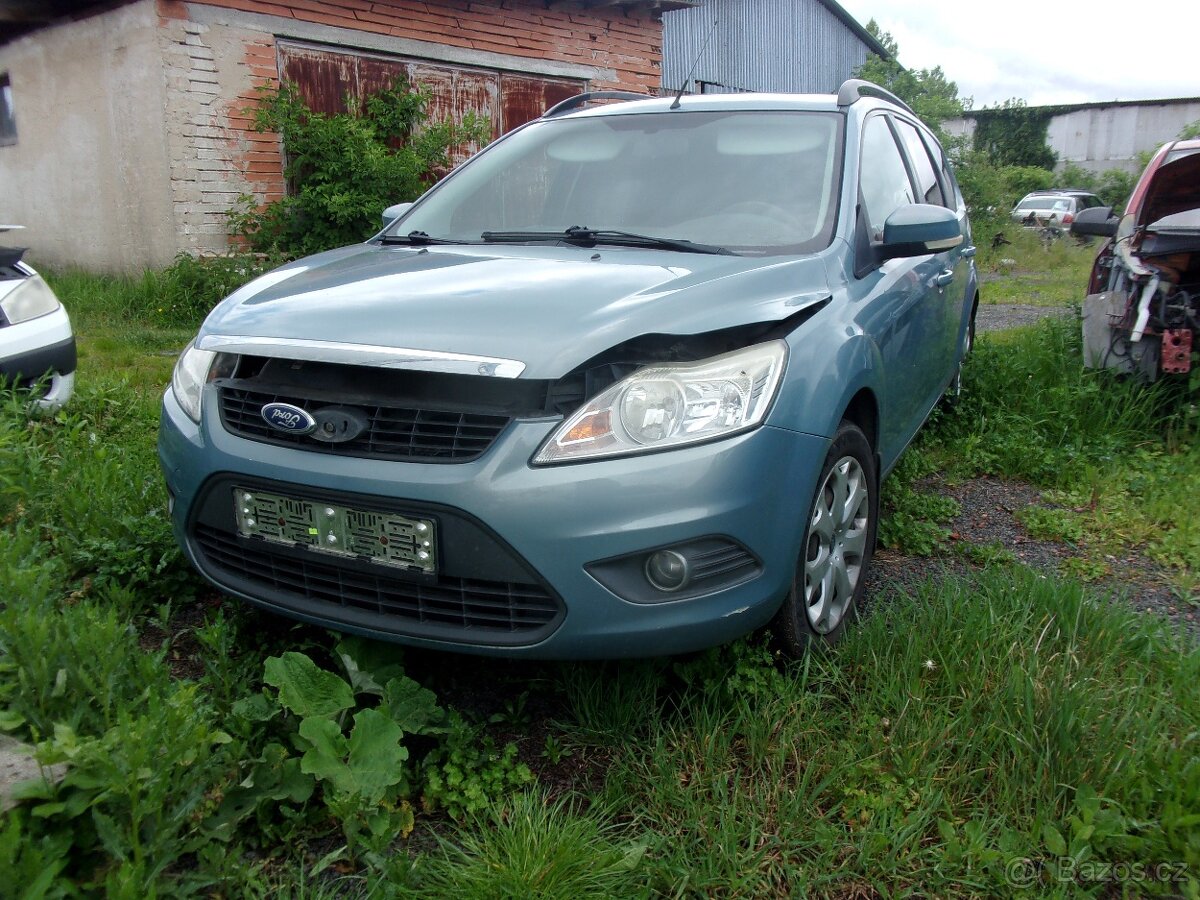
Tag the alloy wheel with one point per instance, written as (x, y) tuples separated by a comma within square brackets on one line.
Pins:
[(836, 544)]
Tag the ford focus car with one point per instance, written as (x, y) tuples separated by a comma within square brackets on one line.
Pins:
[(623, 384)]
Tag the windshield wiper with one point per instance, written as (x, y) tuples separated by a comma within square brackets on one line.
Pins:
[(592, 236), (416, 239)]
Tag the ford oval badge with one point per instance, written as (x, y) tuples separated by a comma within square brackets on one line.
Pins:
[(288, 418)]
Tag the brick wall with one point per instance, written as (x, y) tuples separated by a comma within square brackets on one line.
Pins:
[(212, 73), (216, 155), (628, 42)]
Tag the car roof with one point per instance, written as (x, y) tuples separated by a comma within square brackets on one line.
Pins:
[(718, 102), (1066, 192)]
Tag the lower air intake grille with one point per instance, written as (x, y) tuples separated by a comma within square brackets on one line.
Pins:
[(446, 608)]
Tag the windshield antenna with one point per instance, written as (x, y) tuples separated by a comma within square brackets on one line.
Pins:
[(692, 70)]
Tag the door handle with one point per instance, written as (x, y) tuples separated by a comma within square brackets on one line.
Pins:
[(945, 278), (968, 252)]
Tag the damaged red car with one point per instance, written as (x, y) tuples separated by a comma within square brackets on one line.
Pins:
[(1142, 312)]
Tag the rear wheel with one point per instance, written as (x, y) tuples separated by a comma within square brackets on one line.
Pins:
[(839, 541)]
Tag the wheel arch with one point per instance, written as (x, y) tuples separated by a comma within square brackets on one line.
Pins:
[(863, 411)]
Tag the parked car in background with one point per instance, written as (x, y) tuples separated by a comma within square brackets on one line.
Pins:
[(1142, 311), (37, 346), (1054, 209), (624, 384)]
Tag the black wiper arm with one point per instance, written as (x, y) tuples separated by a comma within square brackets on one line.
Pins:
[(416, 238), (593, 236)]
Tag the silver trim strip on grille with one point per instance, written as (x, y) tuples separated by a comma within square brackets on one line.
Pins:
[(364, 355)]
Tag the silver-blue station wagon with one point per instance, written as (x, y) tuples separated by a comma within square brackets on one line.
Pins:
[(624, 384)]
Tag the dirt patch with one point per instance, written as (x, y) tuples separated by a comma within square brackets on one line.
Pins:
[(988, 519)]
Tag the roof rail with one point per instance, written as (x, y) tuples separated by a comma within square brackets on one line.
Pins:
[(854, 88), (573, 103)]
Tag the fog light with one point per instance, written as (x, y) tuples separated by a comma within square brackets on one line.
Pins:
[(668, 570)]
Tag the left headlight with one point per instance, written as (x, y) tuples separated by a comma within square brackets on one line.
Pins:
[(30, 299), (671, 405), (192, 371)]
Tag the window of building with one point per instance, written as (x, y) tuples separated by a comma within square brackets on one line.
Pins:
[(8, 121)]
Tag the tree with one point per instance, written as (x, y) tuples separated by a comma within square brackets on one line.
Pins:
[(927, 91)]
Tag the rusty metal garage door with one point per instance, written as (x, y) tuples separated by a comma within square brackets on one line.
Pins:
[(325, 78)]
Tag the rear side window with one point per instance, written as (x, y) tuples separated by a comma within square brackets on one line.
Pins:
[(883, 177), (928, 186), (949, 182)]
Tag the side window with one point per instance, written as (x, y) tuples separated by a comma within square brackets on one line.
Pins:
[(883, 177), (928, 187)]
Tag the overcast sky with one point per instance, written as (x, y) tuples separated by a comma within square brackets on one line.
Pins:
[(1048, 51)]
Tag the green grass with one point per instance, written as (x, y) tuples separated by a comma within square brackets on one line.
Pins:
[(927, 762), (972, 728), (1118, 456), (1032, 272)]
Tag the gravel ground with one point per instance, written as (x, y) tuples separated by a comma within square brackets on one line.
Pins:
[(999, 316), (988, 517), (988, 508)]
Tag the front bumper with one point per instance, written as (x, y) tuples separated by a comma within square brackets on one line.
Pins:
[(548, 522), (41, 347)]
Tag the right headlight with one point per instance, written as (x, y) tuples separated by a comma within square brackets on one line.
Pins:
[(195, 369), (671, 405), (29, 300)]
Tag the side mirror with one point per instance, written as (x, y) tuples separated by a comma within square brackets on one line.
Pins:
[(392, 213), (919, 228), (1097, 221)]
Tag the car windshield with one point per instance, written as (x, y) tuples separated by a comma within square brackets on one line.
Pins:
[(748, 182)]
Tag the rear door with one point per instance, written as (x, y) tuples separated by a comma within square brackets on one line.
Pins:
[(952, 280)]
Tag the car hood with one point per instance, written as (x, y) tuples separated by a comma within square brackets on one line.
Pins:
[(550, 308), (1174, 186)]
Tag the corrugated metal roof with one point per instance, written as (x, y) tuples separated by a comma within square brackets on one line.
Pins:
[(852, 23), (763, 45)]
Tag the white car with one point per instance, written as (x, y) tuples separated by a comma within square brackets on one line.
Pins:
[(37, 346), (1055, 210)]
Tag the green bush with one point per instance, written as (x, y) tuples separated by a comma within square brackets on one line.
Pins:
[(1113, 186), (191, 286), (345, 169), (991, 188)]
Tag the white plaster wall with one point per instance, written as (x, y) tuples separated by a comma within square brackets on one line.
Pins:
[(1107, 137), (89, 173), (1112, 137)]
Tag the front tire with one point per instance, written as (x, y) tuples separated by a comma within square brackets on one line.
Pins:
[(839, 541)]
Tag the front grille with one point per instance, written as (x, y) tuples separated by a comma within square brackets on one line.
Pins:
[(446, 607), (393, 433)]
